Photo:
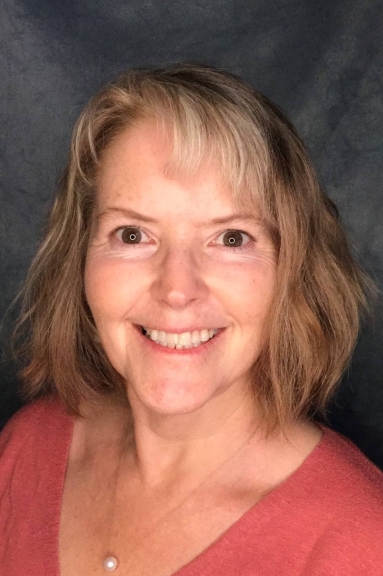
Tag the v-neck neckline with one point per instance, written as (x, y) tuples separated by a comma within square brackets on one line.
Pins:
[(262, 509)]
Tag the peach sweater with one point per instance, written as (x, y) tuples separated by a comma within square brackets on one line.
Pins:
[(326, 519)]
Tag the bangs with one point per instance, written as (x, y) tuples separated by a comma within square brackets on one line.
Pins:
[(203, 132), (203, 126)]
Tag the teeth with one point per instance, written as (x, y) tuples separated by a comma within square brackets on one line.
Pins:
[(184, 341), (161, 337), (196, 338), (171, 340), (204, 335), (180, 341)]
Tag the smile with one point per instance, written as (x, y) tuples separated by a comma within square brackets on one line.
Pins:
[(183, 341)]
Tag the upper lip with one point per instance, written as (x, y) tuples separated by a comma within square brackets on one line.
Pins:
[(178, 330)]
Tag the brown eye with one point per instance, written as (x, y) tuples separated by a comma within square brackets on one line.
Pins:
[(233, 238), (130, 235)]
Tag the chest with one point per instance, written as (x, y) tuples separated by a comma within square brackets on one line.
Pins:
[(147, 535)]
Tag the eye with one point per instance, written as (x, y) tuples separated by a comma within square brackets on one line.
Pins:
[(129, 235), (234, 239)]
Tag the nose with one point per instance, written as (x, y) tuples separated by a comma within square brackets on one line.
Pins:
[(178, 279)]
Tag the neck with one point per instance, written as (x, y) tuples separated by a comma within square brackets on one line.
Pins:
[(168, 449), (233, 444)]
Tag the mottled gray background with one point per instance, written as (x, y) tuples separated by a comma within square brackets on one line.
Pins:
[(321, 61)]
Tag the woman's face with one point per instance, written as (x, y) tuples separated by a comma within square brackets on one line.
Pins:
[(157, 259)]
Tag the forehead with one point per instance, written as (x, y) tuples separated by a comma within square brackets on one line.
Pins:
[(137, 168)]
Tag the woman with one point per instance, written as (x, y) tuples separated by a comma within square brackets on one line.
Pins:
[(190, 310)]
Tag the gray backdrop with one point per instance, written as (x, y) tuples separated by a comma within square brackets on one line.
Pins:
[(320, 60)]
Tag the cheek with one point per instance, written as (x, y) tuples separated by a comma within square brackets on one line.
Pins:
[(248, 289), (110, 287)]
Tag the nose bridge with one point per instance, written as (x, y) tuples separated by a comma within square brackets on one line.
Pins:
[(179, 275)]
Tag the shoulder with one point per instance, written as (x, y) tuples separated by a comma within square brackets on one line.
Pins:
[(350, 495), (356, 476), (36, 425), (34, 415), (33, 458)]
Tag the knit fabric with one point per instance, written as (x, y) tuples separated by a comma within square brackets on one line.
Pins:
[(326, 519)]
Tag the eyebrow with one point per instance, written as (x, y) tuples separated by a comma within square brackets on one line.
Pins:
[(129, 213)]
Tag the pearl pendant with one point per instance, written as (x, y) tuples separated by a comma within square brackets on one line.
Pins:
[(110, 564)]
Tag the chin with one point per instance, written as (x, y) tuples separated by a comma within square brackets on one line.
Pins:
[(171, 402)]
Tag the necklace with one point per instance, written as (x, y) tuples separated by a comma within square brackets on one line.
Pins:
[(111, 562)]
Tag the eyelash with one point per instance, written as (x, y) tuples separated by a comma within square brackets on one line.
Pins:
[(113, 234), (244, 246)]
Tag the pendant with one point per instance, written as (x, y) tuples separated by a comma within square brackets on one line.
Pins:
[(110, 564)]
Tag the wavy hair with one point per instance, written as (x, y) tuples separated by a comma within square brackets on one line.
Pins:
[(320, 290)]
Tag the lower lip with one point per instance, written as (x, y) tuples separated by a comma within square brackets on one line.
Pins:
[(194, 351)]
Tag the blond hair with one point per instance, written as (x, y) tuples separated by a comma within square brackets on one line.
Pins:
[(320, 290)]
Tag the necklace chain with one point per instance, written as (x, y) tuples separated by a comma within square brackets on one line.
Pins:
[(111, 562)]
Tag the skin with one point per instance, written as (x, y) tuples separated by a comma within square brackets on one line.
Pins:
[(181, 274), (199, 459)]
